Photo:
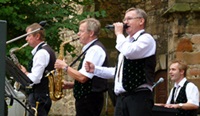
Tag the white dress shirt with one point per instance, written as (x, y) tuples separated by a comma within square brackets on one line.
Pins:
[(192, 92), (40, 61), (144, 46), (94, 54)]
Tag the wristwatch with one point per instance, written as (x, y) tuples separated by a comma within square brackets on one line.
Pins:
[(65, 69), (180, 105)]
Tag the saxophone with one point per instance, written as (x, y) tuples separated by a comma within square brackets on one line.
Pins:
[(55, 77), (13, 56), (16, 62)]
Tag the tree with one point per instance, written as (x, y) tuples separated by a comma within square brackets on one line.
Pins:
[(57, 13)]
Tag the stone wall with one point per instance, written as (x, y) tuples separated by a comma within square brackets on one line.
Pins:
[(183, 37)]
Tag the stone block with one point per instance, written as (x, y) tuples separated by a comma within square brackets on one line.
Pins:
[(196, 7), (184, 45), (193, 26), (179, 55), (196, 39), (191, 58), (194, 71), (180, 7)]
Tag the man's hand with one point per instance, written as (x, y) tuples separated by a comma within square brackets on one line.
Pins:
[(67, 85), (172, 106), (23, 69), (60, 64), (89, 67), (159, 104), (118, 28)]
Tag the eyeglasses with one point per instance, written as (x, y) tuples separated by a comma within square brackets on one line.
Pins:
[(130, 18)]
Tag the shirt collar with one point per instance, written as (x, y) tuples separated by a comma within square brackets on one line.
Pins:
[(181, 83), (87, 45), (136, 35), (34, 50)]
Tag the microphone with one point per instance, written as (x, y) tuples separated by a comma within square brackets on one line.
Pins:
[(158, 82), (112, 26), (43, 23)]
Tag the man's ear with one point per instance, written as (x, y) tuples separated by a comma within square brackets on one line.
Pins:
[(91, 33), (142, 21), (182, 72), (37, 36)]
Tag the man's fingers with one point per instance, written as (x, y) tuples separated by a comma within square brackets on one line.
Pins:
[(87, 66)]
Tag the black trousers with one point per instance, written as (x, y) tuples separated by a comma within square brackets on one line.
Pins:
[(135, 104), (44, 103), (90, 105)]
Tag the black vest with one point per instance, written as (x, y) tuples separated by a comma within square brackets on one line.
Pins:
[(96, 84), (42, 87), (138, 71), (182, 98)]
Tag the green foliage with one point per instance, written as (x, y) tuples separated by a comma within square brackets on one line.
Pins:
[(21, 13)]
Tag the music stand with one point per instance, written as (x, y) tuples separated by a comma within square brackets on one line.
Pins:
[(16, 73), (9, 88)]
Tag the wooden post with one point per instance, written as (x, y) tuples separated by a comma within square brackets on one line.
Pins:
[(3, 33)]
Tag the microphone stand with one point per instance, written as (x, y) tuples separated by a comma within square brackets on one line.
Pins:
[(15, 39)]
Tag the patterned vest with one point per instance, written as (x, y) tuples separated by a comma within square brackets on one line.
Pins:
[(182, 98), (139, 71), (96, 84), (44, 81)]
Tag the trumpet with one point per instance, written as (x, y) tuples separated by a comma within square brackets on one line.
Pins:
[(55, 77)]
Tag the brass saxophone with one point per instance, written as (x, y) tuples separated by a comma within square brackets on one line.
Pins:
[(13, 56), (55, 77), (16, 62)]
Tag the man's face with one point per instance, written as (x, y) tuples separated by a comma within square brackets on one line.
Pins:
[(133, 21), (83, 34), (174, 72), (31, 39)]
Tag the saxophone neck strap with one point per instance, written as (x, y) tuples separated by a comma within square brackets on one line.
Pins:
[(82, 54)]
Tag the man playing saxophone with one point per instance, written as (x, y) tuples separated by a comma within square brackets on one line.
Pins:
[(88, 89), (42, 61)]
